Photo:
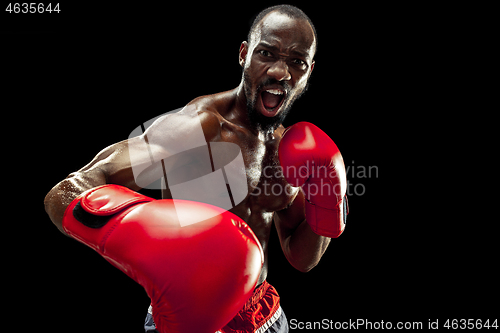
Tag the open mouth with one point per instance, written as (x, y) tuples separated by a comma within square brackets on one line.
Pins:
[(272, 99)]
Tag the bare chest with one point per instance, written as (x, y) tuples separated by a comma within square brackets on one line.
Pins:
[(268, 191)]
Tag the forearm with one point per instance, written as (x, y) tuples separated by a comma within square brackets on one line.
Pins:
[(303, 248), (67, 190), (110, 166)]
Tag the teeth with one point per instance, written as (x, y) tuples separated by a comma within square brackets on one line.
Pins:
[(275, 91)]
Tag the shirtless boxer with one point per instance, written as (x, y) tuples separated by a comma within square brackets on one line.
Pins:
[(277, 62)]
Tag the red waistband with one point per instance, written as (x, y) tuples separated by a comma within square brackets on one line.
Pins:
[(259, 308), (257, 295)]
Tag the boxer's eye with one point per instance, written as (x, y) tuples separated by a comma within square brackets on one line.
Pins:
[(265, 53), (298, 62)]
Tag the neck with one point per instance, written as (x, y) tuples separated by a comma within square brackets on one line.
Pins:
[(241, 103), (240, 111)]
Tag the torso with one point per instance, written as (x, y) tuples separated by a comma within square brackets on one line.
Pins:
[(268, 190)]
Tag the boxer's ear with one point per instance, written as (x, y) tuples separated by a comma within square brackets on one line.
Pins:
[(243, 53)]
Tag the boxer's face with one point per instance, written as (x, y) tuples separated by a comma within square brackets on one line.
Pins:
[(277, 63)]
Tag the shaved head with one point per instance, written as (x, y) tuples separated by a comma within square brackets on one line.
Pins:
[(289, 11)]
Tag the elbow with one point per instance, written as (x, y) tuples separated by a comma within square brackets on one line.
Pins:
[(54, 207), (51, 212), (301, 262), (48, 205), (47, 202), (304, 268)]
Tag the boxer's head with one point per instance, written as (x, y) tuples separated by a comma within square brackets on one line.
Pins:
[(277, 62)]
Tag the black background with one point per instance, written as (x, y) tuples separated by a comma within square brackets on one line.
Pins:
[(78, 81)]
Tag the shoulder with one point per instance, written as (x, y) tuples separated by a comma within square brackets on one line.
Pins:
[(206, 109), (198, 120), (213, 112)]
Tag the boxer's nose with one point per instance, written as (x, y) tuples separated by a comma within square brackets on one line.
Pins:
[(279, 71)]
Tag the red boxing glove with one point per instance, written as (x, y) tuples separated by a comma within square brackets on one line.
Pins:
[(198, 275), (311, 159)]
